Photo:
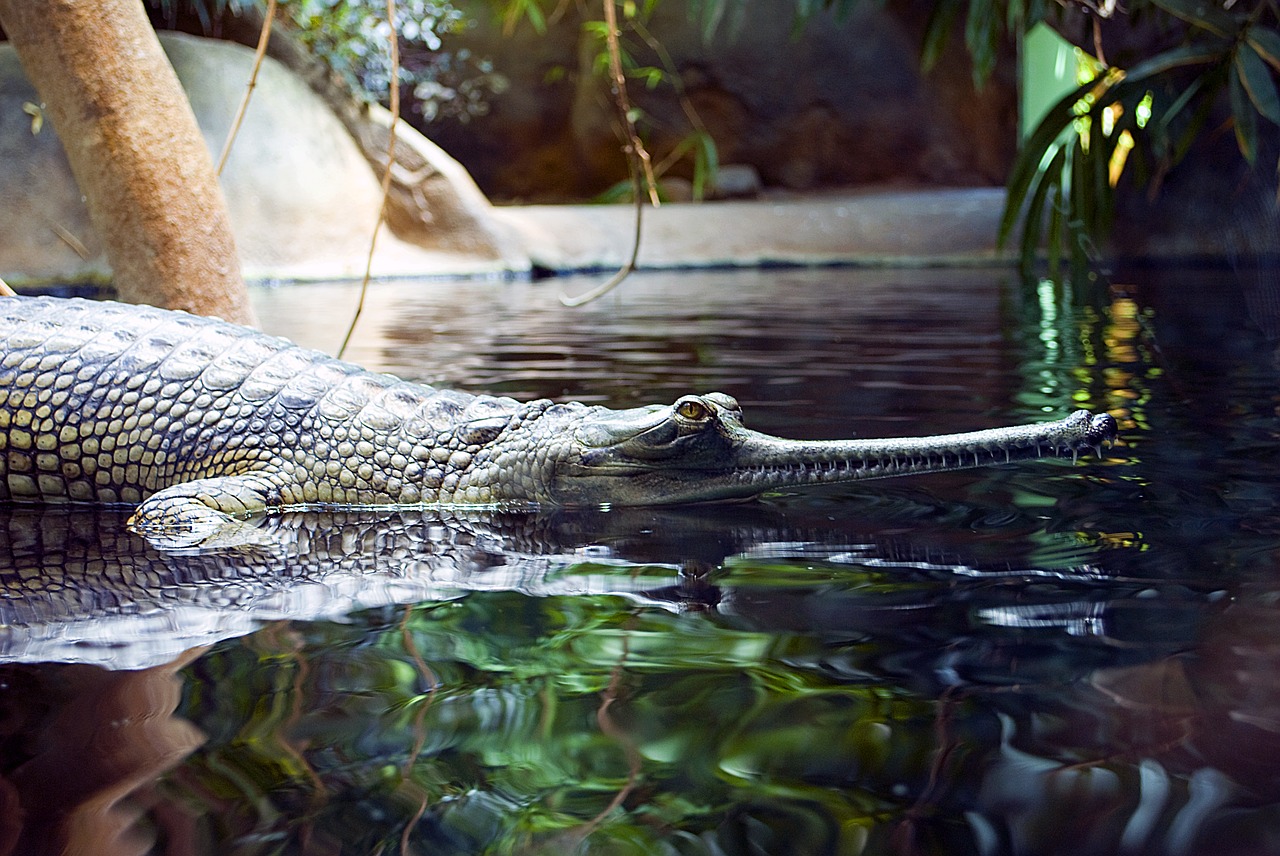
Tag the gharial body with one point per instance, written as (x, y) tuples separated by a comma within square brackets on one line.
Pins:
[(200, 422)]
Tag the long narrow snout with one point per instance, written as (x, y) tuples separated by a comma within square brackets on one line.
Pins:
[(765, 462), (699, 451)]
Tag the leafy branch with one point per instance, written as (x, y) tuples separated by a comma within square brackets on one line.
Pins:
[(1142, 119), (1062, 187), (639, 162)]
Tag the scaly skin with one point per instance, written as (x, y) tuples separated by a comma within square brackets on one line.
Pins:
[(201, 423)]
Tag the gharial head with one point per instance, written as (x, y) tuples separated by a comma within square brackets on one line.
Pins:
[(698, 450)]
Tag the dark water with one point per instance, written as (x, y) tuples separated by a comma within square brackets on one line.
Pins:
[(1042, 658)]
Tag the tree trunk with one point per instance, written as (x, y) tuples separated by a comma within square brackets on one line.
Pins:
[(135, 151)]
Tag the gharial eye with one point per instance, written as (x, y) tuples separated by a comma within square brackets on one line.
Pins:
[(693, 410)]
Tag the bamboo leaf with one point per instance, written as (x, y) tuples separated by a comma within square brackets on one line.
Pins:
[(1203, 111), (937, 32), (1245, 119), (1203, 14), (1102, 191), (534, 13), (1013, 17), (1161, 125), (1099, 188), (1055, 170), (1053, 241), (1256, 78), (1085, 207), (651, 76), (1089, 182), (844, 7), (1033, 221), (1199, 54), (706, 162), (1266, 42), (1080, 199), (805, 10), (710, 13), (620, 192), (1034, 215), (982, 36), (1043, 142)]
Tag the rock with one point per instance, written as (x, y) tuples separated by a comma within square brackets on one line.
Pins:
[(835, 102), (737, 181), (432, 200), (938, 227), (303, 198), (44, 227)]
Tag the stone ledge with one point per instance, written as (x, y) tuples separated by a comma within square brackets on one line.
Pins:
[(900, 228)]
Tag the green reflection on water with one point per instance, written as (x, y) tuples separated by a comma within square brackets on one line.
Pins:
[(1082, 349), (512, 722)]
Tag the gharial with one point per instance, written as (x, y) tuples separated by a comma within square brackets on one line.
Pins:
[(201, 423)]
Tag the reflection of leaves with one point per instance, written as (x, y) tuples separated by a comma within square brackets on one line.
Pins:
[(509, 752)]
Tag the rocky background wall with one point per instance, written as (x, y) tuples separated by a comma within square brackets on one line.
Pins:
[(824, 104)]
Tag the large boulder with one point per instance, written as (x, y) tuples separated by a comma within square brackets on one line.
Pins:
[(303, 197)]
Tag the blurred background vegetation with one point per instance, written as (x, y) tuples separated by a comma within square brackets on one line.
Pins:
[(1112, 98)]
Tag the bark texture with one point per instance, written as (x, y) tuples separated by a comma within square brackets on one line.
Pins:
[(135, 150)]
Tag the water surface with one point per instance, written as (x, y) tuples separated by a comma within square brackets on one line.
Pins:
[(1040, 658)]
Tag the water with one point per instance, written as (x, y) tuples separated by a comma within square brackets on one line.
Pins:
[(1042, 658)]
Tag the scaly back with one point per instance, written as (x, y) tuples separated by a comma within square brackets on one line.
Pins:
[(104, 402)]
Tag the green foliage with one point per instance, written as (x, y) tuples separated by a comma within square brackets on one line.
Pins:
[(1070, 165), (207, 12), (351, 37), (1143, 118)]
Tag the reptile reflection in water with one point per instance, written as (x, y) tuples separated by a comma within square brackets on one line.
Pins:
[(77, 587), (723, 643)]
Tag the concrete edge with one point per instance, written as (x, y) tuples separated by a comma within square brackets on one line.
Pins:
[(951, 227)]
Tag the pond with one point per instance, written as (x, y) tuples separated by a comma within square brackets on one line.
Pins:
[(1045, 657)]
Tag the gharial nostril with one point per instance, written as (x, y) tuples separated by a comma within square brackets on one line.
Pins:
[(1102, 429)]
